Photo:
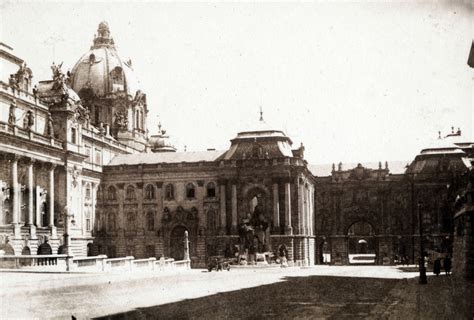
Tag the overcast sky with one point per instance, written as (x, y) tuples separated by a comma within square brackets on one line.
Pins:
[(354, 82)]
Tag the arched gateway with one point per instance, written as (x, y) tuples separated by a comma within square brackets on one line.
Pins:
[(177, 242), (361, 243)]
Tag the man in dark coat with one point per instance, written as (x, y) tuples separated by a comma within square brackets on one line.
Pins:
[(437, 267), (447, 265)]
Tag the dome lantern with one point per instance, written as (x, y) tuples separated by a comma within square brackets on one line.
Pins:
[(103, 39)]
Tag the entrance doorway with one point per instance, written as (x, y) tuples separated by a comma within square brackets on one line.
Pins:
[(361, 243), (177, 243)]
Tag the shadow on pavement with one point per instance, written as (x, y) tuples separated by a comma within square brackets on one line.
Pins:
[(326, 297), (295, 297)]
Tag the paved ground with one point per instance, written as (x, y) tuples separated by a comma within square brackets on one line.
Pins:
[(360, 292)]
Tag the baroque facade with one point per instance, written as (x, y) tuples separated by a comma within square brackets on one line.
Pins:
[(75, 149)]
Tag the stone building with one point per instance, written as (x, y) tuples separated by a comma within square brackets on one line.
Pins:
[(75, 151), (52, 152), (375, 211), (146, 203)]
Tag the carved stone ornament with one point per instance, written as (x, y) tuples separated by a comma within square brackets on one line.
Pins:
[(121, 120), (75, 175)]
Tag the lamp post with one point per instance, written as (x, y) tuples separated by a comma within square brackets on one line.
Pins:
[(186, 246), (68, 221), (422, 268)]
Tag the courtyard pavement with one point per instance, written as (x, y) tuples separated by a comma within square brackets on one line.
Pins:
[(321, 292)]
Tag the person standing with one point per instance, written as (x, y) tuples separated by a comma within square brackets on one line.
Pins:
[(437, 267), (447, 265)]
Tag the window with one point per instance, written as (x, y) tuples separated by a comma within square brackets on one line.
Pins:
[(150, 192), (111, 224), (211, 220), (169, 192), (211, 190), (88, 192), (88, 152), (130, 195), (99, 193), (131, 221), (98, 157), (190, 191), (74, 135), (88, 218), (111, 193), (97, 216), (150, 220)]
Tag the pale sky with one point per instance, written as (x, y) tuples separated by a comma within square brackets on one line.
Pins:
[(355, 82)]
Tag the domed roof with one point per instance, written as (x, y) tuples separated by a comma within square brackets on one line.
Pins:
[(264, 142), (161, 142), (102, 70)]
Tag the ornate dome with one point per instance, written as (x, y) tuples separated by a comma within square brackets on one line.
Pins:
[(262, 143), (161, 142), (101, 71)]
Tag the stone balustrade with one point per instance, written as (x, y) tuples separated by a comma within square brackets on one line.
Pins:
[(37, 262), (99, 263)]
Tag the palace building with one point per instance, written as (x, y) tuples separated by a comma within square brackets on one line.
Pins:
[(76, 150)]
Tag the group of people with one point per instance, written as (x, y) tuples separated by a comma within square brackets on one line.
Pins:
[(447, 264)]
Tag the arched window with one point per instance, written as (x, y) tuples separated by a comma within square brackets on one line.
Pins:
[(100, 193), (130, 194), (211, 190), (190, 191), (111, 223), (111, 193), (150, 218), (150, 192), (169, 192), (130, 221), (211, 220)]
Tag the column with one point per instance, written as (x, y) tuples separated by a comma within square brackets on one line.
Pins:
[(38, 206), (200, 196), (300, 207), (16, 205), (94, 190), (311, 212), (30, 192), (234, 208), (51, 195), (223, 209), (159, 206), (288, 229), (308, 211), (276, 209)]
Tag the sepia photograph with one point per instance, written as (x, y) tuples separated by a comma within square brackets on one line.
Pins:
[(237, 159)]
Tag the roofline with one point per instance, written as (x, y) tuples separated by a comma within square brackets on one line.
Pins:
[(11, 57)]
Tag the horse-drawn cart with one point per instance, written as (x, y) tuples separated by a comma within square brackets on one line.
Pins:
[(218, 263)]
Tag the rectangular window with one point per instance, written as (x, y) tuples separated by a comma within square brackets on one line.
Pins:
[(98, 157), (88, 153), (73, 135), (88, 224)]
